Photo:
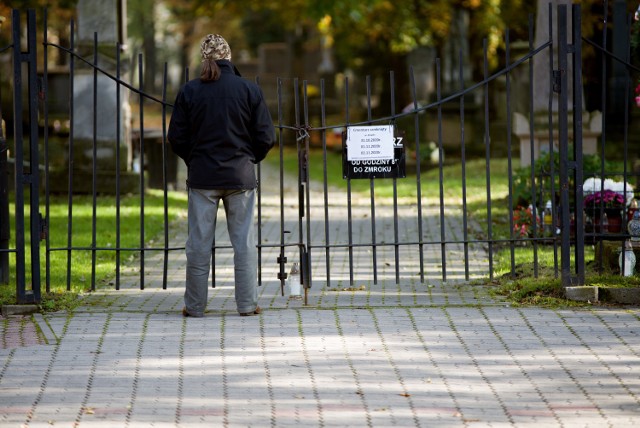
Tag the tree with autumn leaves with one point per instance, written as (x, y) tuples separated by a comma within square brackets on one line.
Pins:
[(370, 37)]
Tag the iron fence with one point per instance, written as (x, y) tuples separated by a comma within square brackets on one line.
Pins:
[(347, 236)]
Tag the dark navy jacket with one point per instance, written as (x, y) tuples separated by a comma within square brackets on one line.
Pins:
[(221, 129)]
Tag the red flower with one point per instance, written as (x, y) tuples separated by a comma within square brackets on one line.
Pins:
[(606, 198), (523, 221)]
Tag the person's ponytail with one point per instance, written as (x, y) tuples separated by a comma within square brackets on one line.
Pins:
[(210, 70)]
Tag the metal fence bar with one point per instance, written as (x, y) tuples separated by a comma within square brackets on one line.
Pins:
[(512, 252), (301, 174), (416, 128), (578, 153), (625, 143), (259, 231), (33, 179), (372, 191), (45, 92), (443, 236), (549, 229), (463, 156), (532, 176), (349, 208), (487, 143), (19, 159), (165, 199), (71, 153), (282, 258), (327, 234), (142, 207), (563, 137), (305, 257), (605, 28), (396, 230), (94, 164), (578, 159), (5, 229), (213, 262), (118, 142), (296, 110), (29, 179)]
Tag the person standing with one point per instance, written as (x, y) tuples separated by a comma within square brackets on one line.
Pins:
[(221, 127)]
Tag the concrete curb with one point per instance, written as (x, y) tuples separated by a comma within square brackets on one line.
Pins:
[(624, 296), (8, 310), (49, 335), (582, 293)]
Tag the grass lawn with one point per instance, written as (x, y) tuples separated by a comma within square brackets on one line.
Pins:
[(521, 287), (106, 240)]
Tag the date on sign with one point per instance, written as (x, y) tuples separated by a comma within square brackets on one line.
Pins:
[(370, 142)]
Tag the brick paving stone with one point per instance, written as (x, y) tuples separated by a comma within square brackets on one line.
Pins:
[(440, 353)]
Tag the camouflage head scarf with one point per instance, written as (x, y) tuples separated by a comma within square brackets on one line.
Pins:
[(215, 47)]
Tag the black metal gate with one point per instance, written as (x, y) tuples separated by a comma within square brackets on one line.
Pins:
[(370, 250), (30, 225)]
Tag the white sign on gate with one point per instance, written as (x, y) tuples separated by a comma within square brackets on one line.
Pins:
[(370, 143)]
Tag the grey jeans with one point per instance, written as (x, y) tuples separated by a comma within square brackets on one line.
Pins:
[(203, 209)]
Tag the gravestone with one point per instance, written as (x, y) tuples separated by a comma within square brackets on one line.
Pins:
[(542, 92), (456, 44), (456, 57), (274, 61), (95, 104), (421, 61), (620, 74), (541, 77)]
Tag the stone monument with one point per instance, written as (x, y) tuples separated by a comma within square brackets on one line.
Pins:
[(456, 58), (592, 127), (620, 74), (107, 19)]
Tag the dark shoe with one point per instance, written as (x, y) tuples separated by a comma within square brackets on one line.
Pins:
[(258, 311), (184, 312)]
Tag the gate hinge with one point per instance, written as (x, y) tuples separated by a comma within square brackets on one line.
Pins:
[(557, 76), (281, 261), (44, 228)]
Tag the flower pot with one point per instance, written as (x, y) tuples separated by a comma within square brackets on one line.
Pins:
[(634, 227), (614, 220), (615, 224)]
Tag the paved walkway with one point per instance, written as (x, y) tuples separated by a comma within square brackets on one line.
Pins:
[(372, 354)]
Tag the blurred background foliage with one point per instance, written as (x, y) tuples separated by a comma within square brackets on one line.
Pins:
[(366, 35)]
